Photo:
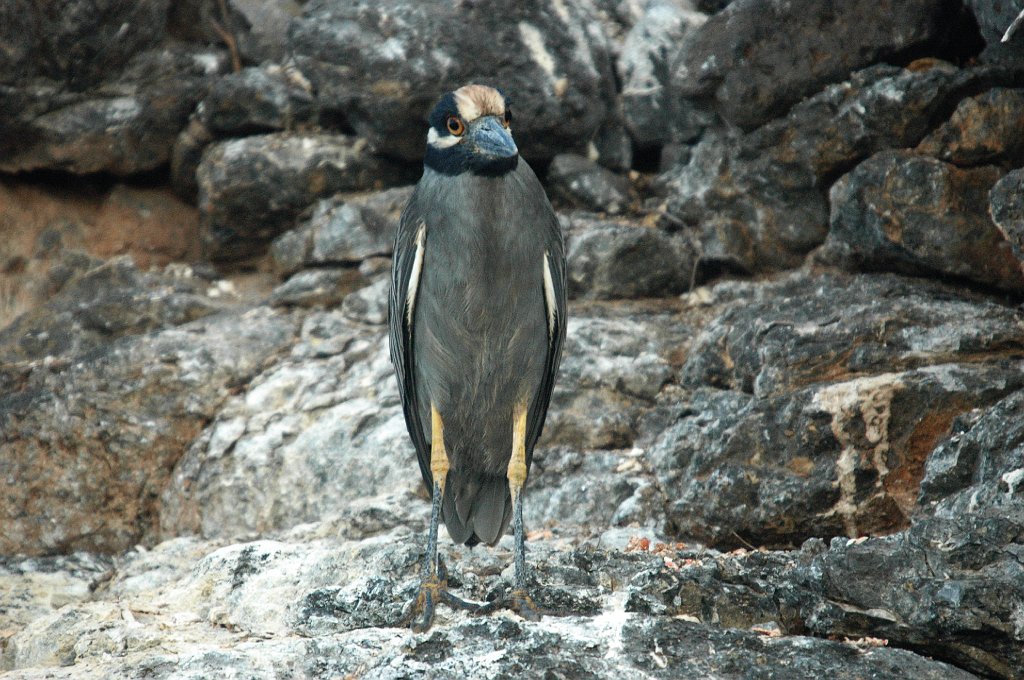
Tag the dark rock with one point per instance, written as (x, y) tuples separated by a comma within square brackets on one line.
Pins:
[(81, 44), (255, 29), (983, 129), (586, 184), (945, 588), (844, 458), (1006, 206), (124, 126), (712, 6), (746, 220), (252, 189), (625, 260), (980, 466), (651, 114), (994, 18), (258, 99), (89, 443), (806, 330), (613, 145), (950, 588), (573, 493), (382, 67), (743, 58), (671, 648), (899, 211), (268, 25), (759, 201), (843, 415)]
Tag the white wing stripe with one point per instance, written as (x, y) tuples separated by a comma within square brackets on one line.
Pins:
[(414, 277), (549, 299)]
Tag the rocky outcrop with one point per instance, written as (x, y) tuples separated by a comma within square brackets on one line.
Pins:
[(745, 58), (785, 439)]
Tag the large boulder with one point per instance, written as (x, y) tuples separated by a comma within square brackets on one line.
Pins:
[(755, 59), (252, 189), (382, 66), (900, 211)]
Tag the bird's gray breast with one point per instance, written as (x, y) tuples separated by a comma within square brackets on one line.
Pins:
[(480, 320)]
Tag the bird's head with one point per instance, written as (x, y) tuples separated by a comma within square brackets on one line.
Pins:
[(471, 131)]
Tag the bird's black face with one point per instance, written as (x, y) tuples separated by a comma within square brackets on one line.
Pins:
[(470, 131)]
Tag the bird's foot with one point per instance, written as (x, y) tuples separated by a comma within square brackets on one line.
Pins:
[(419, 613), (518, 601)]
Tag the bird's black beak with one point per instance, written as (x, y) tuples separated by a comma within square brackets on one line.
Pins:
[(491, 139)]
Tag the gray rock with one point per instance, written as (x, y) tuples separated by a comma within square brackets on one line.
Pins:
[(304, 601), (758, 200), (981, 130), (610, 260), (335, 433), (339, 232), (944, 588), (317, 287), (586, 184), (617, 359), (834, 435), (97, 305), (899, 211), (742, 57), (252, 189), (1006, 206), (804, 330), (952, 589), (369, 304), (268, 25), (613, 145), (382, 66), (651, 114), (129, 406)]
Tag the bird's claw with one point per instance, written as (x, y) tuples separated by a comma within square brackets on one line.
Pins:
[(433, 589), (518, 601)]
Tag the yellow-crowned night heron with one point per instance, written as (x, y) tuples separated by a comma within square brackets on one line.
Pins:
[(477, 319)]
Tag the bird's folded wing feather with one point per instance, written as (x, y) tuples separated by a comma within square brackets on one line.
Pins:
[(556, 336), (400, 324)]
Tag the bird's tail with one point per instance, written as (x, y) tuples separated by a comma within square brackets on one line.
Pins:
[(477, 508)]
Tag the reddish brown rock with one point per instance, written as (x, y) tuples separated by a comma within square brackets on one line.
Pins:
[(900, 211), (983, 129)]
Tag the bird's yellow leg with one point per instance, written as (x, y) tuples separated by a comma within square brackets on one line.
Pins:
[(438, 454), (434, 587), (521, 601)]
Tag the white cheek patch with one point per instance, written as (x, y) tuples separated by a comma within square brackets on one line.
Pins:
[(438, 142)]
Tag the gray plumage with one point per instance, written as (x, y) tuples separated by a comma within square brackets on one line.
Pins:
[(482, 336)]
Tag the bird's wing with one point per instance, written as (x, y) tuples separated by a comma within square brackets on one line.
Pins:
[(555, 306), (405, 272)]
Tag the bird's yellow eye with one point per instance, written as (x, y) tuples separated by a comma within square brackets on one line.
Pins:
[(456, 126), (507, 122)]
